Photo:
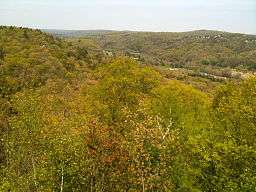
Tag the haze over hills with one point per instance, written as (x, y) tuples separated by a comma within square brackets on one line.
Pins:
[(75, 33), (80, 33), (191, 49)]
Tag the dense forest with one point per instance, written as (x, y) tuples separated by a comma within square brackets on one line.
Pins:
[(75, 117), (187, 49)]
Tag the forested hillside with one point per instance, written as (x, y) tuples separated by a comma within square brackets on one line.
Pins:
[(75, 119), (188, 49), (29, 58)]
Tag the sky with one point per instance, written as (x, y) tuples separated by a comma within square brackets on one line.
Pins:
[(139, 15)]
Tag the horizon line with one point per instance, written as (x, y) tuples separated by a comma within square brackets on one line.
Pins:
[(125, 30)]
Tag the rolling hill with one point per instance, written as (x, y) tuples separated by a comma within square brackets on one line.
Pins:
[(193, 49)]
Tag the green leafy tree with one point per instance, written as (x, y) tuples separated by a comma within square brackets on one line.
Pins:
[(121, 84), (227, 164)]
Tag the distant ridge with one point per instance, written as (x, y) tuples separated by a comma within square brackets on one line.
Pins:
[(75, 33), (82, 33)]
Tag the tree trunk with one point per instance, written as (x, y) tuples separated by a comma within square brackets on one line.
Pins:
[(62, 179), (143, 184), (34, 172)]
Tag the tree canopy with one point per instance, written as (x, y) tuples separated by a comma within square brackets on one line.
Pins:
[(75, 120)]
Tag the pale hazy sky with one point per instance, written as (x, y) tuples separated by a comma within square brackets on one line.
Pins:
[(145, 15)]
